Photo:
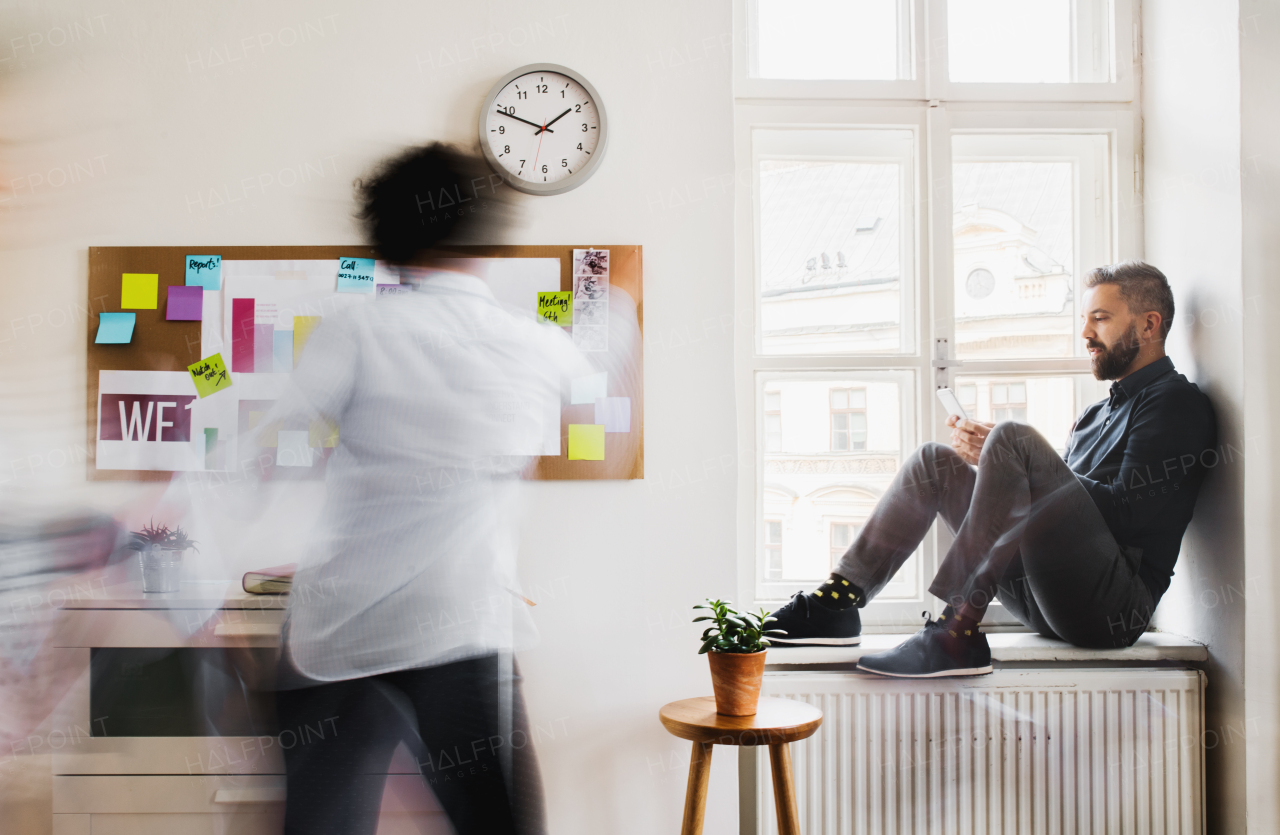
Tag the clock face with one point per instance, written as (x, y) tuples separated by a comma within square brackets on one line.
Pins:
[(543, 130)]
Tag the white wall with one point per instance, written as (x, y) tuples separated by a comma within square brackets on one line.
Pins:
[(205, 123), (1193, 190)]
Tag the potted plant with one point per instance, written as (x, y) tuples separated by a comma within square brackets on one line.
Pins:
[(160, 551), (735, 645)]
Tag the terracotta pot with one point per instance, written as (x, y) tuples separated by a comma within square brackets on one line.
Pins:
[(735, 678)]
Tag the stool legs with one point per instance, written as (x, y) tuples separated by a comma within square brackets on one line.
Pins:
[(784, 790), (695, 794)]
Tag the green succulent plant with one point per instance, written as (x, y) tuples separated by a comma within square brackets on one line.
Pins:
[(160, 536), (734, 631)]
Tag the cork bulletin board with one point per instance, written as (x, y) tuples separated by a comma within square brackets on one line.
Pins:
[(161, 345)]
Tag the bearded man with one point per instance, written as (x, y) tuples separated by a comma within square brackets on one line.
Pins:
[(1079, 547)]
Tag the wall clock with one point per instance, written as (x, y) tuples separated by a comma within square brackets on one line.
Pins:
[(543, 129)]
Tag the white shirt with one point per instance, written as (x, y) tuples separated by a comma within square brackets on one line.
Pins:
[(432, 391)]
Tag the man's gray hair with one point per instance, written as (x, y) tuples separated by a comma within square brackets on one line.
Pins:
[(1142, 287)]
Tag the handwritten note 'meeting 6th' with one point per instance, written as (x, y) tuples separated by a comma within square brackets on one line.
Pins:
[(556, 308), (355, 275)]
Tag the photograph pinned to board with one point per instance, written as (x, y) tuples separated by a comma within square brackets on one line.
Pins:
[(591, 262), (590, 312)]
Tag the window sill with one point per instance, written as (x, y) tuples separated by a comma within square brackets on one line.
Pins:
[(1007, 647)]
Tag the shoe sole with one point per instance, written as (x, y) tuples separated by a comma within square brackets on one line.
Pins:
[(969, 671), (816, 642)]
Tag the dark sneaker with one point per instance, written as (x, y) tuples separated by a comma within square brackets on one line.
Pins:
[(810, 624), (931, 653)]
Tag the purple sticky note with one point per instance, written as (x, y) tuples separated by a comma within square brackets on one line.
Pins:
[(185, 303)]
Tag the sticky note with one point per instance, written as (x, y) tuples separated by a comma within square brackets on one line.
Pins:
[(614, 413), (204, 271), (263, 348), (282, 351), (589, 388), (355, 275), (185, 304), (138, 291), (322, 433), (302, 328), (115, 328), (210, 375), (293, 450), (556, 308), (586, 442)]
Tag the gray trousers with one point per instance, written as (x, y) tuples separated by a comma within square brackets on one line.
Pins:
[(1026, 531)]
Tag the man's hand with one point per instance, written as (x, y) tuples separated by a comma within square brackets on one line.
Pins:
[(968, 436)]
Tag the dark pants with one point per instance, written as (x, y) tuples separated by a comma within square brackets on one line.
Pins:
[(1026, 531), (482, 770)]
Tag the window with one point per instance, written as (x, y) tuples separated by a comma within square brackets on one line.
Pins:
[(773, 421), (900, 227), (773, 548), (848, 419), (842, 536)]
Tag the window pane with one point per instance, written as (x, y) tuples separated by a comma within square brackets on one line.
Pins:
[(830, 257), (833, 39), (858, 398), (1050, 404), (1031, 215), (807, 482), (1029, 41), (772, 401), (839, 398)]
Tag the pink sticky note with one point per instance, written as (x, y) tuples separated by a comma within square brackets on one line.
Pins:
[(185, 303)]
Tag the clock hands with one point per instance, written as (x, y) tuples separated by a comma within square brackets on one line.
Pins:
[(526, 121), (548, 125)]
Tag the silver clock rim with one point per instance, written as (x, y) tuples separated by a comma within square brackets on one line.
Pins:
[(575, 179)]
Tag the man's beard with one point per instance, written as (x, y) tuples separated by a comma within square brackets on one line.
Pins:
[(1112, 360)]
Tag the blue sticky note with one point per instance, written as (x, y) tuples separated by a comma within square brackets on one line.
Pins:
[(355, 275), (282, 351), (205, 271), (115, 328)]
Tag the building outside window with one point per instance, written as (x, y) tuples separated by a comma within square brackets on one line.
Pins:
[(842, 536), (905, 224), (848, 419)]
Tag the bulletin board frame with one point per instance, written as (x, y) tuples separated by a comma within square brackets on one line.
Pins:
[(161, 345)]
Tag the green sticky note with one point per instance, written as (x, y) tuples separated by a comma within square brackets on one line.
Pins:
[(210, 374), (138, 291), (586, 442), (556, 308)]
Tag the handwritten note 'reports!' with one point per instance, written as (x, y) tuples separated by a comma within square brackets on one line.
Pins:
[(556, 308), (204, 271), (355, 275), (210, 375)]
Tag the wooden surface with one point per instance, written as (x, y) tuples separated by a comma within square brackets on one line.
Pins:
[(784, 789), (778, 721), (695, 794), (160, 345)]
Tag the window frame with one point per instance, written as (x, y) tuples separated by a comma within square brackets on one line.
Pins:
[(957, 109)]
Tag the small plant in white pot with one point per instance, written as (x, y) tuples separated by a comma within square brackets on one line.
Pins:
[(735, 644), (160, 552)]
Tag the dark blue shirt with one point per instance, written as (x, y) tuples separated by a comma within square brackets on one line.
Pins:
[(1142, 454)]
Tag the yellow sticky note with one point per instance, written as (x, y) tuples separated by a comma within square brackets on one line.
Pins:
[(556, 308), (322, 433), (138, 291), (210, 375), (302, 328), (586, 442)]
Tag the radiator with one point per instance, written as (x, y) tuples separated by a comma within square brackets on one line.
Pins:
[(1057, 752)]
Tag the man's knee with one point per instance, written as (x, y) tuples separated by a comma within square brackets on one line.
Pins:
[(1011, 440)]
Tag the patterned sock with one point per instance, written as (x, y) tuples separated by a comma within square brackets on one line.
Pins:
[(958, 626), (838, 593)]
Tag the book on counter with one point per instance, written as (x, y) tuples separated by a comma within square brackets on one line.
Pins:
[(275, 580)]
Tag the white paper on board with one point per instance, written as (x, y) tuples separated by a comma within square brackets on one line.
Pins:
[(149, 421), (586, 390)]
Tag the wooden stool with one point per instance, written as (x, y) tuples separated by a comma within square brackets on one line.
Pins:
[(777, 722)]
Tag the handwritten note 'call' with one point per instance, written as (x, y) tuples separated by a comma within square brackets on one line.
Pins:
[(355, 275)]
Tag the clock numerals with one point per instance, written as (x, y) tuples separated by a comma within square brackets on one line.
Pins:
[(542, 132)]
